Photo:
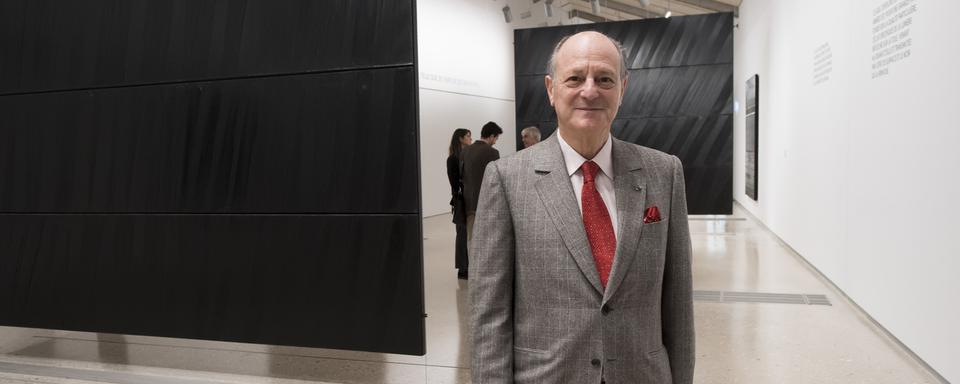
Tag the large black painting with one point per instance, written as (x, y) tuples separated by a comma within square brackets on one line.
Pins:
[(678, 98), (240, 170)]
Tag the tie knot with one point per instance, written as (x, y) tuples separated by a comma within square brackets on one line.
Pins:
[(589, 171)]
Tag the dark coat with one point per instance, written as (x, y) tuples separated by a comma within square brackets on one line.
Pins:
[(475, 158), (454, 169)]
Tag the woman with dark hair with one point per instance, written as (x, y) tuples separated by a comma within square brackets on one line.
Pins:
[(461, 138)]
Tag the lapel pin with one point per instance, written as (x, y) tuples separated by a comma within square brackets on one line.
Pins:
[(637, 187)]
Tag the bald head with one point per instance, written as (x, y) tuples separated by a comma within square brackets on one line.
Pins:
[(585, 87), (589, 38)]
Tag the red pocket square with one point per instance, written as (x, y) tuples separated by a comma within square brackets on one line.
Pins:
[(651, 215)]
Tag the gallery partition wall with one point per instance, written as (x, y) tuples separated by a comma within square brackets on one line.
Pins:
[(239, 170), (679, 98)]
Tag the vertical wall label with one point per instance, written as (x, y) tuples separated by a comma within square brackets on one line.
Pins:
[(891, 34), (822, 64)]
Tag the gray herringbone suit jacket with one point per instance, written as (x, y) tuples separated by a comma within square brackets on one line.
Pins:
[(538, 311)]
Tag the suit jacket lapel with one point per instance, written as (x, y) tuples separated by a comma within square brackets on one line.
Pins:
[(629, 188), (557, 195)]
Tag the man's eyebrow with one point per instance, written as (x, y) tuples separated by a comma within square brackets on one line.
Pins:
[(605, 71)]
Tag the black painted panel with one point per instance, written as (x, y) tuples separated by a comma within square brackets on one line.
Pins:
[(649, 43), (697, 141), (679, 91), (532, 102), (342, 142), (316, 281), (64, 44), (159, 140), (709, 189), (703, 144)]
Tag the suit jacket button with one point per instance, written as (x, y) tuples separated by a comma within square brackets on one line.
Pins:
[(605, 309), (595, 362)]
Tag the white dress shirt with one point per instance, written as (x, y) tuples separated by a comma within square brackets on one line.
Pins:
[(603, 181)]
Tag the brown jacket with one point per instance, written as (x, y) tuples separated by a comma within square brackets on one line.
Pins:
[(475, 158)]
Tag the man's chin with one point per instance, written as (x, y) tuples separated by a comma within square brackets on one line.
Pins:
[(590, 126)]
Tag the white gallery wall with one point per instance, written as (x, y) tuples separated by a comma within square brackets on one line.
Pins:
[(466, 79), (858, 142)]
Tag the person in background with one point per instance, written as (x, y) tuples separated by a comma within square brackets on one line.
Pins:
[(530, 136), (461, 138), (475, 159)]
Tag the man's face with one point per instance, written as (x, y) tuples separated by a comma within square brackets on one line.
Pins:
[(587, 90), (528, 139), (493, 139)]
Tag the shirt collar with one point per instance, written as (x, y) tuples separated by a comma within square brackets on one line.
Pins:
[(573, 160)]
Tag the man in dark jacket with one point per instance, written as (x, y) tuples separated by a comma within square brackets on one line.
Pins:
[(475, 159)]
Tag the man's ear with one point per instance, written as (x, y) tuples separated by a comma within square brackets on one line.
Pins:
[(548, 82)]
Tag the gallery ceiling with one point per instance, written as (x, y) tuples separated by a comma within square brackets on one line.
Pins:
[(542, 13)]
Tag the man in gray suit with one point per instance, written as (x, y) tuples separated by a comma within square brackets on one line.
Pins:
[(580, 259)]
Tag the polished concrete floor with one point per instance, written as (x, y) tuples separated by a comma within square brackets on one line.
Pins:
[(746, 331)]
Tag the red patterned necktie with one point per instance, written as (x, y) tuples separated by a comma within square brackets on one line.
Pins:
[(597, 223)]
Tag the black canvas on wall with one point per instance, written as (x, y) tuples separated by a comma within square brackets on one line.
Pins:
[(678, 98), (753, 131), (239, 170)]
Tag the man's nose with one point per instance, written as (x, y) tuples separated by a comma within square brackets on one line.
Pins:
[(589, 90)]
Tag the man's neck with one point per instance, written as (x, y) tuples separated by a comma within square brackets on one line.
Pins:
[(586, 145), (488, 141)]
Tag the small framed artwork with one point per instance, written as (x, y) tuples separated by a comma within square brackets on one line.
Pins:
[(753, 132)]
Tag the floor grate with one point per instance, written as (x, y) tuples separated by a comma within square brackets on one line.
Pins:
[(760, 297)]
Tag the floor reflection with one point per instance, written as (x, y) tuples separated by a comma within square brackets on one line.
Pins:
[(112, 349)]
